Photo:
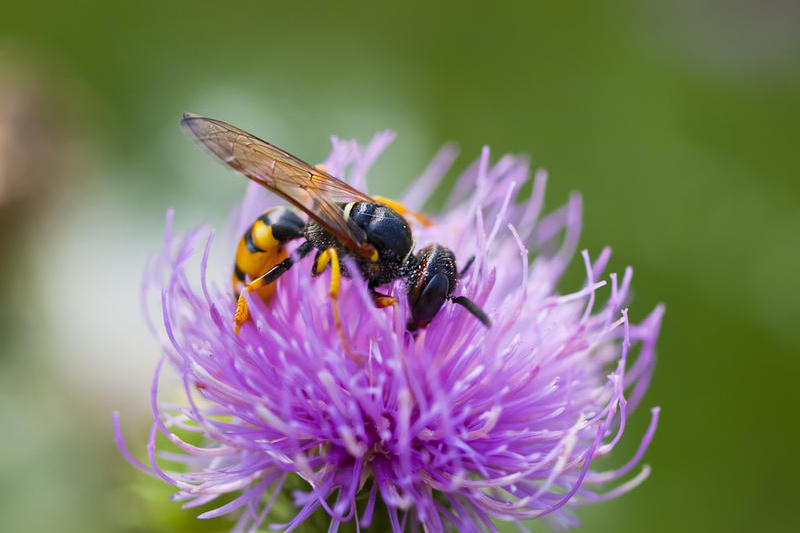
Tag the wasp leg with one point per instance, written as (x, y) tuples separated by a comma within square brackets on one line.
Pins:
[(242, 313), (331, 256), (403, 210), (382, 300), (321, 261)]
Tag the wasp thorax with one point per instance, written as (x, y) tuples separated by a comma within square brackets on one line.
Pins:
[(386, 230)]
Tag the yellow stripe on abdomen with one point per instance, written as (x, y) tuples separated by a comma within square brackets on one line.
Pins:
[(254, 265)]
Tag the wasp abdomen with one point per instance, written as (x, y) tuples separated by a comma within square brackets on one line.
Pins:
[(262, 247)]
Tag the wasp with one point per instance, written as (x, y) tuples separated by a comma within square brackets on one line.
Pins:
[(342, 221)]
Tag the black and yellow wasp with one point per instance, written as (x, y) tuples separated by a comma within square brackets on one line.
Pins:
[(341, 221)]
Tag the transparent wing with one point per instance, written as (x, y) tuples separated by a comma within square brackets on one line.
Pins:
[(310, 189)]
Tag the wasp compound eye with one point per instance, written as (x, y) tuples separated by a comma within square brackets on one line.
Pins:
[(431, 283), (431, 299)]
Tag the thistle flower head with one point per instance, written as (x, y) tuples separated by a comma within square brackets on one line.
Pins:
[(452, 426)]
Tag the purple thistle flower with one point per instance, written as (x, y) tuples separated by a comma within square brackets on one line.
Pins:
[(452, 427)]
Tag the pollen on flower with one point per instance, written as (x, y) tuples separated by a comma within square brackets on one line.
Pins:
[(451, 426)]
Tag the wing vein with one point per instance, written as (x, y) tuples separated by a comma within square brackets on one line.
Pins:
[(321, 196)]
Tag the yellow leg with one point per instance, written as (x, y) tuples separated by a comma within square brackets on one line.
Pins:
[(322, 261), (383, 300), (331, 256), (403, 210), (242, 313)]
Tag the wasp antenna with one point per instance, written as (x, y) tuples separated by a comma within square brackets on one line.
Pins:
[(473, 308)]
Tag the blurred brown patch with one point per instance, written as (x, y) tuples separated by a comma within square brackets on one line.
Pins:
[(30, 141)]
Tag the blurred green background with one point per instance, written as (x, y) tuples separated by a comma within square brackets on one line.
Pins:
[(678, 121)]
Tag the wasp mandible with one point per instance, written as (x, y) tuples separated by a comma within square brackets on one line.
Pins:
[(342, 221)]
